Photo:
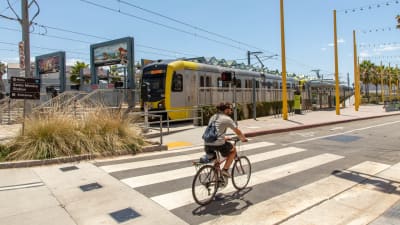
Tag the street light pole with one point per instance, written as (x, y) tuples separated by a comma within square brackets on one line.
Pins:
[(253, 83)]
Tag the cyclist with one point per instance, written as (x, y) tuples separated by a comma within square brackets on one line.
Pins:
[(222, 122)]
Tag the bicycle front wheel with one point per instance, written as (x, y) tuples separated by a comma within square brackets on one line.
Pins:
[(205, 185), (241, 172)]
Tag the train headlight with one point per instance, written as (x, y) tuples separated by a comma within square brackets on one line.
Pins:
[(161, 105)]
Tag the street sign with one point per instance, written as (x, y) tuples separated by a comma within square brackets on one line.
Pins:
[(26, 95), (25, 88)]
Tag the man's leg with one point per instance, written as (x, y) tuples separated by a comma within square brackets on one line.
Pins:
[(229, 158)]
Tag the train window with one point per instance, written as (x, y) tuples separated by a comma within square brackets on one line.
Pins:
[(257, 84), (238, 83), (219, 82), (275, 84), (208, 82), (249, 83), (201, 81), (177, 82)]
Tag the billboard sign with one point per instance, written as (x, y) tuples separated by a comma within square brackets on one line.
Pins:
[(111, 54), (49, 65)]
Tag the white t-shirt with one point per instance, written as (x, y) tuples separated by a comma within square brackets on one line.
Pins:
[(222, 122)]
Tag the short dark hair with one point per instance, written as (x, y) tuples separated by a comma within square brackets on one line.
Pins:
[(224, 105)]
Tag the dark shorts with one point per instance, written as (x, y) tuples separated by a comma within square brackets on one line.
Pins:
[(224, 149)]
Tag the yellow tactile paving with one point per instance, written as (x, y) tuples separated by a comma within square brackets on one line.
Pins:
[(177, 144)]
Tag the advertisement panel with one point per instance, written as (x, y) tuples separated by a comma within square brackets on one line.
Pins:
[(111, 54), (49, 65)]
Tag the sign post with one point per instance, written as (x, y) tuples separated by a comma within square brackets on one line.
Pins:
[(24, 88)]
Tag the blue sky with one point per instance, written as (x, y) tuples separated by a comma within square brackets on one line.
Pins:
[(232, 27)]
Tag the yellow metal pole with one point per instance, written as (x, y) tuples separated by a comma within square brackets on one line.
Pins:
[(284, 91), (336, 65), (355, 71), (382, 88), (358, 85), (390, 84)]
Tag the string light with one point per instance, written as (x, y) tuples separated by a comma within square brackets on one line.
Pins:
[(381, 45), (370, 7), (383, 29)]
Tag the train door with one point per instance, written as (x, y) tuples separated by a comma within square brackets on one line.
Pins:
[(177, 90), (191, 87), (183, 89)]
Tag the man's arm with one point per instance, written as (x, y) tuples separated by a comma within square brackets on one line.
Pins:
[(240, 134)]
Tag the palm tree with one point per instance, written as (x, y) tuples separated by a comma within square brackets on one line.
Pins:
[(367, 72), (76, 70), (395, 78)]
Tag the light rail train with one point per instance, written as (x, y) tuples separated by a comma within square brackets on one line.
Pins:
[(177, 86)]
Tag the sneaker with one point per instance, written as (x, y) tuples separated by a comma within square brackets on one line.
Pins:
[(225, 173)]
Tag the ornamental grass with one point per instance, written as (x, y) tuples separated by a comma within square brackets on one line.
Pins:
[(59, 134)]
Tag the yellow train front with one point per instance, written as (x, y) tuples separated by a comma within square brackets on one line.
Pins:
[(168, 91)]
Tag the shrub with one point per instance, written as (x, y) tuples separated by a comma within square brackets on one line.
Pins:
[(60, 135)]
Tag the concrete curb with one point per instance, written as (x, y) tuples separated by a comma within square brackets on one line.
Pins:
[(44, 162)]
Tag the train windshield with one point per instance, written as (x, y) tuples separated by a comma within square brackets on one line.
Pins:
[(156, 80)]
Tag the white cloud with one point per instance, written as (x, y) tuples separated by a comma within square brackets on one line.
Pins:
[(323, 49), (364, 54), (71, 62), (340, 40)]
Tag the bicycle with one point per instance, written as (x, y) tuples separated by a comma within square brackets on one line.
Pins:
[(209, 176)]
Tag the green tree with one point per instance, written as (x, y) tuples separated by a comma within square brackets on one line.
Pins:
[(367, 72), (2, 72), (75, 71)]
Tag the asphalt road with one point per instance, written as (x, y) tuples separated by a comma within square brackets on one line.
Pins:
[(282, 164)]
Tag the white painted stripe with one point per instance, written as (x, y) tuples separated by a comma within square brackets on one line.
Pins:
[(190, 171), (350, 131), (167, 160), (147, 154), (279, 208), (20, 186), (183, 197)]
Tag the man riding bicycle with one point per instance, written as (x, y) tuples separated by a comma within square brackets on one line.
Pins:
[(222, 122)]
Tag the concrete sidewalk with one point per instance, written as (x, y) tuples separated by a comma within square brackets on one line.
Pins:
[(80, 193), (191, 135)]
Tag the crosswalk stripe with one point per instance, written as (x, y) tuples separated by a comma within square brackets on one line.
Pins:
[(183, 197), (279, 208), (147, 154), (163, 161), (154, 178)]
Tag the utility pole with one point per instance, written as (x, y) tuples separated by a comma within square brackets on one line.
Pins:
[(25, 55), (25, 24)]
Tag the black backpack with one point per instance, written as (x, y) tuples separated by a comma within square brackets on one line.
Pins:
[(211, 133)]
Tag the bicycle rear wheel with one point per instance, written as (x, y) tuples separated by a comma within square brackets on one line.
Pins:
[(205, 185), (241, 172)]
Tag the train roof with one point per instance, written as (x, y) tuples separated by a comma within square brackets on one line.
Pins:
[(220, 69)]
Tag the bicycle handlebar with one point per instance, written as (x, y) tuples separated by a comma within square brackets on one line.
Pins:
[(236, 139)]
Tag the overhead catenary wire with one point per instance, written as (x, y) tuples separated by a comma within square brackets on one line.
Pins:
[(162, 25), (157, 23)]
